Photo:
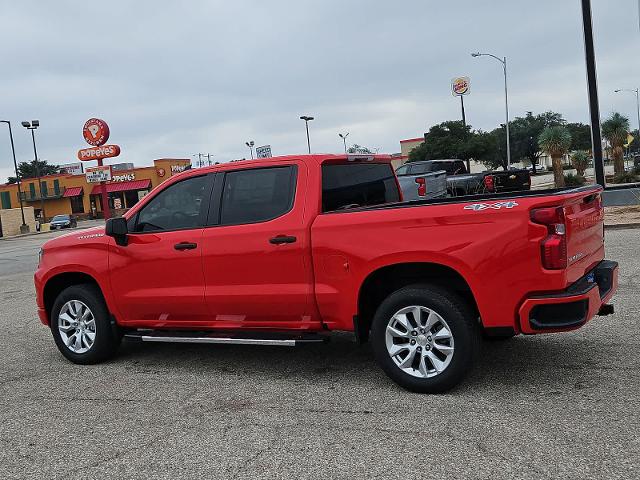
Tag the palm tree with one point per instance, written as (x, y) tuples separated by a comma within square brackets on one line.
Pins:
[(556, 141), (580, 161), (615, 129)]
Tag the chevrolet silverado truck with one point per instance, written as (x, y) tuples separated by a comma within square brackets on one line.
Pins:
[(284, 250), (460, 182), (417, 184)]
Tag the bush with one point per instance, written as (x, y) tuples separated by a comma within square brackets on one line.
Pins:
[(626, 177), (567, 167), (571, 180)]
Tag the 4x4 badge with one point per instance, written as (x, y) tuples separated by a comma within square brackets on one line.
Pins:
[(476, 207)]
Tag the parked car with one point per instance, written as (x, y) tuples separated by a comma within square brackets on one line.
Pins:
[(418, 184), (62, 221), (284, 250), (539, 168), (461, 182)]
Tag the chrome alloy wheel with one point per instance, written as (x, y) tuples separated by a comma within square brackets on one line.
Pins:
[(419, 341), (77, 326)]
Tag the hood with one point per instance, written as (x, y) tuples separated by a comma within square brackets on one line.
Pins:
[(77, 237)]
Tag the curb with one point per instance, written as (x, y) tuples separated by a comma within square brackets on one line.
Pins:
[(622, 226)]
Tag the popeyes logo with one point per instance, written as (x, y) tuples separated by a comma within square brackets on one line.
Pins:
[(125, 177), (460, 86), (96, 153), (95, 132), (178, 168)]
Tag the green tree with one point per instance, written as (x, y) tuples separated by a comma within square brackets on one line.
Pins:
[(556, 141), (615, 129), (580, 136), (452, 139), (355, 148), (580, 161), (29, 170), (525, 132)]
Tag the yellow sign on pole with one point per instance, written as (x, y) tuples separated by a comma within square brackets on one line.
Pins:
[(630, 139)]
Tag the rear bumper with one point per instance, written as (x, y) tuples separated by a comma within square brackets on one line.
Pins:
[(573, 307)]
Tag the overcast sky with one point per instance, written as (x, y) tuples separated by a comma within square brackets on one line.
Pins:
[(176, 78)]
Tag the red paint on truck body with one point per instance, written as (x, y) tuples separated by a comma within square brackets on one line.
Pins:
[(236, 279)]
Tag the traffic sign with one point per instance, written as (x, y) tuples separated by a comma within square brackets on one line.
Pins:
[(263, 152), (95, 132)]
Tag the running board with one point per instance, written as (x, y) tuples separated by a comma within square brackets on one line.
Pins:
[(281, 340)]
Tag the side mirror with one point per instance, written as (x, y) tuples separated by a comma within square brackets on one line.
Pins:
[(117, 228)]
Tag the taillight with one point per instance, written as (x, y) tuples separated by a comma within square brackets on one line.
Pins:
[(490, 182), (554, 247), (422, 186)]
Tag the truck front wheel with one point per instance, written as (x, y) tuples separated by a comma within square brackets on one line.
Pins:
[(425, 338), (81, 325)]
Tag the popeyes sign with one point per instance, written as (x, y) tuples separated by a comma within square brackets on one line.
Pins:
[(94, 153), (460, 86), (96, 133)]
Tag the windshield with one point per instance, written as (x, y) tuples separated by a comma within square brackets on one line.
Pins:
[(60, 217)]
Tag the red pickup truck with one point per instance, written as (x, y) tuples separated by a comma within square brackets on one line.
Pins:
[(280, 251)]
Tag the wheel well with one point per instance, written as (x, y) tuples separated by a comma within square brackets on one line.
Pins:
[(381, 283), (57, 284)]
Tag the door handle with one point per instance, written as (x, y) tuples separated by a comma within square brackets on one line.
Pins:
[(185, 246), (281, 239)]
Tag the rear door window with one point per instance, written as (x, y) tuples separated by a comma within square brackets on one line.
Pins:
[(257, 195), (357, 185)]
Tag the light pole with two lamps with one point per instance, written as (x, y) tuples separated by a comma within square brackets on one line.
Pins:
[(34, 124), (503, 61), (250, 144), (344, 140), (24, 228)]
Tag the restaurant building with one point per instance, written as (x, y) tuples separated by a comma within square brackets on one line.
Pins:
[(72, 194)]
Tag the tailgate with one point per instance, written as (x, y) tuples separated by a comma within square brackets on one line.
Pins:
[(584, 218)]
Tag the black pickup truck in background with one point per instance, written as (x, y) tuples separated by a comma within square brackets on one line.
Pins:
[(461, 182)]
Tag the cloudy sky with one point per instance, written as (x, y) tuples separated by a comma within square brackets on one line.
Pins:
[(176, 78)]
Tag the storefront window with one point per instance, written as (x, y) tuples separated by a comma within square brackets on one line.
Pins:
[(77, 205)]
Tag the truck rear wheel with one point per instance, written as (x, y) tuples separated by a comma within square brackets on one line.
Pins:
[(425, 338), (81, 325)]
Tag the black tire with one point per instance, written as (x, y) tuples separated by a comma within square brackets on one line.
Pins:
[(107, 337), (462, 324)]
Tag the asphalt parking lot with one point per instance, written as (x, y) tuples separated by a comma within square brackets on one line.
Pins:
[(556, 406)]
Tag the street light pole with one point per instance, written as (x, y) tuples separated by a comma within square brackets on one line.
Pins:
[(503, 61), (24, 228), (637, 92), (250, 144), (592, 90), (307, 119), (344, 140), (32, 126)]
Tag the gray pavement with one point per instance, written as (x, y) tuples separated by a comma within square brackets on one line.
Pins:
[(556, 406)]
